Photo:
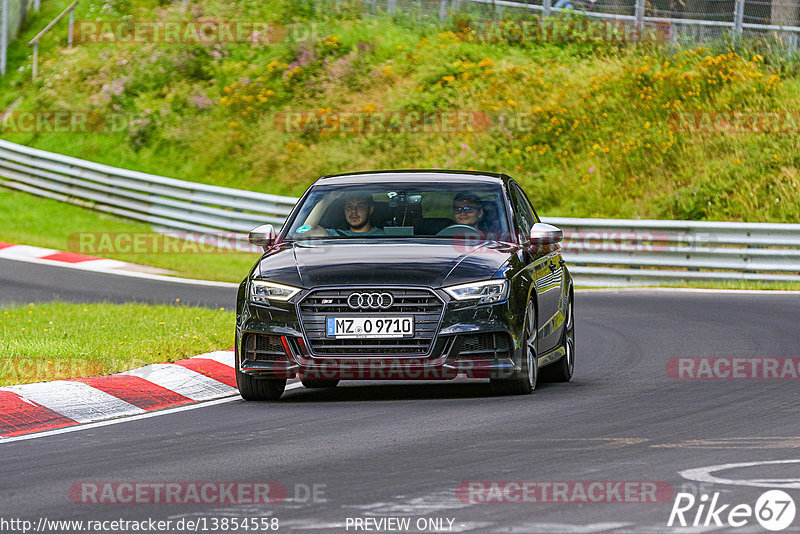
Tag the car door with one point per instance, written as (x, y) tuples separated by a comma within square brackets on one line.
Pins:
[(547, 273)]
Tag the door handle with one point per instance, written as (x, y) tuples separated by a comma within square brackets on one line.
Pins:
[(553, 267), (562, 262)]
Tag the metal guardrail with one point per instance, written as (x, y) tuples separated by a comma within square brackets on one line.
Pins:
[(637, 252), (691, 21), (163, 202), (601, 252)]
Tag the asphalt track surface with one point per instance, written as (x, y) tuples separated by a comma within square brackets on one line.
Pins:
[(383, 450), (24, 282)]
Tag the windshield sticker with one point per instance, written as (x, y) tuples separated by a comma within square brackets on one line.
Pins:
[(303, 229)]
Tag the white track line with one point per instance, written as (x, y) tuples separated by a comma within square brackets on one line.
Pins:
[(158, 277)]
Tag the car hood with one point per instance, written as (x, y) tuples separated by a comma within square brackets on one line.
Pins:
[(425, 262)]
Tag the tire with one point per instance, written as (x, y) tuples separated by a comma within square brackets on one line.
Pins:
[(522, 382), (258, 389), (319, 383), (561, 371)]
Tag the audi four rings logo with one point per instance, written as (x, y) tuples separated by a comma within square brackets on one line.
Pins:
[(365, 301)]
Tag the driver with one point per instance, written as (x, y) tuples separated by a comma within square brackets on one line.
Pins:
[(358, 208), (468, 209)]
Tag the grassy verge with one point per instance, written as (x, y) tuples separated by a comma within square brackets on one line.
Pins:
[(43, 222), (58, 340)]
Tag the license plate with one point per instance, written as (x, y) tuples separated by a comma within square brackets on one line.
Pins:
[(369, 327)]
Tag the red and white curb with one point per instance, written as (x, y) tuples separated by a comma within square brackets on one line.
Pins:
[(57, 257), (30, 408)]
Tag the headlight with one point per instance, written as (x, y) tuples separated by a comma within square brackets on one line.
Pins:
[(262, 291), (486, 292)]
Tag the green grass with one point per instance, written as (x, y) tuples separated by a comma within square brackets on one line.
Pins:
[(43, 222), (54, 341), (587, 128)]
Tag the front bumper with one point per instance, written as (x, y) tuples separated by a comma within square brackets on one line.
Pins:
[(476, 341)]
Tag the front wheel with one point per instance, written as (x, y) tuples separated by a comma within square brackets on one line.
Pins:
[(258, 389), (522, 382)]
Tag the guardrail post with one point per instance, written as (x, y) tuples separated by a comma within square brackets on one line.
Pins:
[(71, 25), (738, 20), (36, 5), (35, 59), (639, 17), (3, 36), (443, 10), (547, 5), (390, 5)]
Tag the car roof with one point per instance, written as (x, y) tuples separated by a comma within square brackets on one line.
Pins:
[(435, 175)]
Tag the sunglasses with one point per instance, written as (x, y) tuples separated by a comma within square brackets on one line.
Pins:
[(465, 209)]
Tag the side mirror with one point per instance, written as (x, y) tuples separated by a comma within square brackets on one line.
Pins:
[(545, 234), (263, 236)]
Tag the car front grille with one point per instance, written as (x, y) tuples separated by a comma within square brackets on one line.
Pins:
[(491, 345), (422, 304)]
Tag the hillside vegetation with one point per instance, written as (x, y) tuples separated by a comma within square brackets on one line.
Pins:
[(590, 129)]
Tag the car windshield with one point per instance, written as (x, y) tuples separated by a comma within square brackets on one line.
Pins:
[(401, 210)]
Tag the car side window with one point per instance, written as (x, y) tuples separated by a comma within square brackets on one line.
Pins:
[(524, 217), (527, 203)]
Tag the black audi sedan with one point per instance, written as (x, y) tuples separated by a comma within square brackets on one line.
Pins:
[(406, 275)]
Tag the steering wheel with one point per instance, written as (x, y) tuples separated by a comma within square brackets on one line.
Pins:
[(457, 229)]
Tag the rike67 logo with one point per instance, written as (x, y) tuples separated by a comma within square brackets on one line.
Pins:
[(774, 510)]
